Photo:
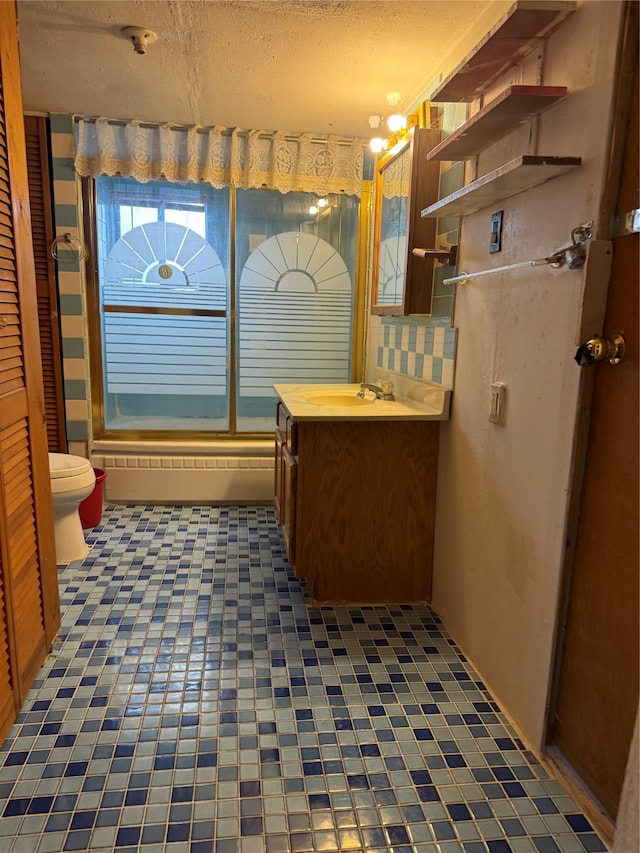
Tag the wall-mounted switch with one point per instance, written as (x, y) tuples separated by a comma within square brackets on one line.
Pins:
[(497, 405), (495, 243)]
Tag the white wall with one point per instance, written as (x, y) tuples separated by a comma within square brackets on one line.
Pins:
[(503, 490)]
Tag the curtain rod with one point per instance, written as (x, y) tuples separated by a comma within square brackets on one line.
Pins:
[(227, 131)]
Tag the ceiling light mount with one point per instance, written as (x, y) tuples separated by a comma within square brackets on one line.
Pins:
[(140, 37)]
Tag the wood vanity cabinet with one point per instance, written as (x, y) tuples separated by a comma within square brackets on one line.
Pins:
[(356, 503)]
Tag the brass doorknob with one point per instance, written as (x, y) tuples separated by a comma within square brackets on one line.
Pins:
[(601, 349)]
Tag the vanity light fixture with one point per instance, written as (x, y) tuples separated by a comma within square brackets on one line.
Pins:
[(397, 124), (378, 143)]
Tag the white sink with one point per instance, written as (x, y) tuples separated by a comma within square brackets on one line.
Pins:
[(336, 398), (340, 402)]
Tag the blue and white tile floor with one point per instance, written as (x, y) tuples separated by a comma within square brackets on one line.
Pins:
[(195, 701)]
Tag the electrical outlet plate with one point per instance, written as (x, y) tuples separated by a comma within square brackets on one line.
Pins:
[(498, 402)]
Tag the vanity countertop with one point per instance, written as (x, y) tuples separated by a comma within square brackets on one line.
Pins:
[(339, 402)]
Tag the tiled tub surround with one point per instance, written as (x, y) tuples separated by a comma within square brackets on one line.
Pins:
[(71, 284), (194, 701)]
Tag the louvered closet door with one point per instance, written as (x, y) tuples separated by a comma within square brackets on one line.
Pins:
[(29, 613), (40, 204)]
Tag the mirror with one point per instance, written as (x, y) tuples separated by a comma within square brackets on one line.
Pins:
[(392, 189), (405, 183)]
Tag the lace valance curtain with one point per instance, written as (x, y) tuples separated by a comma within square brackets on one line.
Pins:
[(396, 177), (220, 156)]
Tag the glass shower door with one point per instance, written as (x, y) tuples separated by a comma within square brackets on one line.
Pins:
[(165, 323)]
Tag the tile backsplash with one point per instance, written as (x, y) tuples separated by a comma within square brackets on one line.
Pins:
[(414, 349)]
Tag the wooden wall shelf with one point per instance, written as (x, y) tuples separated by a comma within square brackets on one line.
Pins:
[(516, 105), (520, 174), (514, 36)]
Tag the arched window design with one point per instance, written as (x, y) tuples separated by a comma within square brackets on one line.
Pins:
[(295, 297)]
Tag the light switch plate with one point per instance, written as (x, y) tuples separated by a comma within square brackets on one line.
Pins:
[(498, 403), (495, 244)]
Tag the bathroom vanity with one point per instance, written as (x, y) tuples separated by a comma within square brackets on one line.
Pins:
[(355, 486)]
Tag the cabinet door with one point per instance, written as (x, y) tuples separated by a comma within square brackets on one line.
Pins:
[(281, 417), (292, 437), (279, 479), (289, 490)]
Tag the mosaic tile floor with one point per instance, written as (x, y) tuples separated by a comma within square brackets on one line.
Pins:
[(194, 701)]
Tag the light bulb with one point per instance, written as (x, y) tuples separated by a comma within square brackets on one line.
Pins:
[(377, 144), (396, 122), (313, 210), (322, 202)]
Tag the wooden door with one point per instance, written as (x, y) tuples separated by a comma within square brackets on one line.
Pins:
[(597, 696), (30, 613), (40, 204)]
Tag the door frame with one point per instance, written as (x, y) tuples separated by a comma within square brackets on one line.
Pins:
[(626, 67)]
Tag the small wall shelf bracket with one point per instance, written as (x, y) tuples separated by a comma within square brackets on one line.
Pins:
[(443, 255)]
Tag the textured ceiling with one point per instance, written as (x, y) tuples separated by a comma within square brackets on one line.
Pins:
[(321, 66)]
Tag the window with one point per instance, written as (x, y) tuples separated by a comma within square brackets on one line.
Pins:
[(207, 297)]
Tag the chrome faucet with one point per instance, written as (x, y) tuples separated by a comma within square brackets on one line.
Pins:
[(382, 390)]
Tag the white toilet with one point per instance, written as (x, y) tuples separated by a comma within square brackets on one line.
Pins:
[(72, 480)]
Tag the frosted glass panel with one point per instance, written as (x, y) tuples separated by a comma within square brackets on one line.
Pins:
[(295, 304), (164, 306)]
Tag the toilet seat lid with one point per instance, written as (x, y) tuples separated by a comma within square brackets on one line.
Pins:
[(66, 465)]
